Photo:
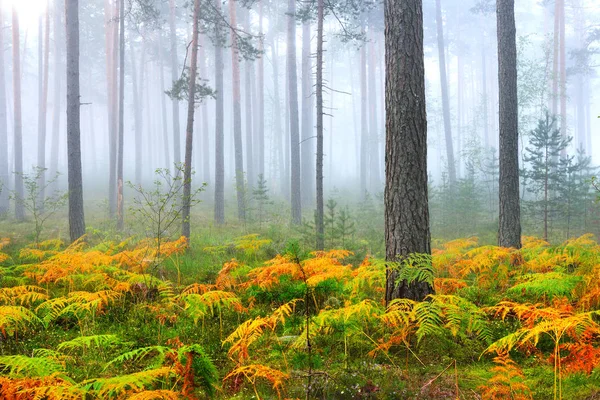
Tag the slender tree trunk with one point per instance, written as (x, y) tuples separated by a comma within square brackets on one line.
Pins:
[(174, 77), (43, 102), (563, 77), (486, 123), (406, 201), (163, 103), (113, 107), (237, 117), (277, 131), (189, 135), (364, 134), (204, 117), (137, 115), (219, 131), (320, 211), (18, 134), (121, 115), (373, 131), (4, 174), (307, 148), (509, 232), (261, 94), (445, 99), (295, 181), (76, 216), (56, 114), (555, 54), (249, 77)]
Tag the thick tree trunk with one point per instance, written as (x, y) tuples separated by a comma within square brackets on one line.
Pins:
[(174, 77), (219, 131), (4, 174), (237, 117), (364, 134), (307, 147), (445, 99), (18, 128), (43, 57), (189, 132), (320, 211), (406, 201), (509, 231), (294, 122), (76, 216), (120, 200)]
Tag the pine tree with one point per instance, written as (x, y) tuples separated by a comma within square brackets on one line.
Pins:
[(261, 196)]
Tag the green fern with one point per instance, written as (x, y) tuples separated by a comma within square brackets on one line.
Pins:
[(121, 386), (203, 367), (137, 355), (549, 285), (86, 342), (19, 366)]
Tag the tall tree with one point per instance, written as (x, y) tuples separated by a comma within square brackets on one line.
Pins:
[(121, 115), (374, 165), (509, 230), (261, 94), (76, 216), (58, 75), (174, 76), (219, 132), (111, 11), (4, 175), (294, 122), (406, 202), (364, 133), (307, 147), (237, 116), (189, 132), (248, 78), (320, 211), (163, 106), (18, 127), (445, 98), (43, 56)]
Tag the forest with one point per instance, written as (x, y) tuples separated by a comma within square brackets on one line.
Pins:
[(299, 199)]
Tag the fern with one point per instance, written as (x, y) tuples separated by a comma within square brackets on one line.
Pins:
[(140, 354), (155, 395), (202, 367), (547, 286), (87, 342), (30, 367), (17, 318), (255, 371), (119, 386)]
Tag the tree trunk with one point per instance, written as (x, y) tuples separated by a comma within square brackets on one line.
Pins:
[(174, 77), (18, 128), (76, 217), (406, 201), (137, 115), (111, 31), (307, 148), (294, 122), (163, 104), (237, 117), (277, 131), (189, 133), (121, 115), (320, 211), (373, 131), (4, 174), (261, 94), (364, 134), (555, 54), (56, 114), (445, 99), (249, 77), (509, 231), (219, 131), (486, 126), (563, 77), (205, 162), (43, 103)]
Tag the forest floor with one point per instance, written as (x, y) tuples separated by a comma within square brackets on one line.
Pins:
[(228, 315)]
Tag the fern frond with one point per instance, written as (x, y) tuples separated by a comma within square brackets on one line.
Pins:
[(29, 367), (155, 395), (17, 318), (140, 354), (255, 371), (118, 386), (86, 342)]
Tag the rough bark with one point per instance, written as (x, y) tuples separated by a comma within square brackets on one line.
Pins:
[(4, 175), (174, 77), (509, 230), (189, 132), (43, 57), (406, 201), (307, 147), (445, 98), (294, 122), (320, 211), (237, 117), (18, 127), (219, 131), (121, 115), (76, 216)]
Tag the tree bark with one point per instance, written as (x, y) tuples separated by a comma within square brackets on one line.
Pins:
[(43, 57), (406, 201), (56, 114), (509, 230), (219, 131), (248, 78), (18, 128), (294, 122), (4, 174), (120, 199), (364, 134), (205, 162), (76, 216), (237, 117), (261, 94), (189, 134), (174, 77), (445, 99), (307, 147), (320, 211)]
